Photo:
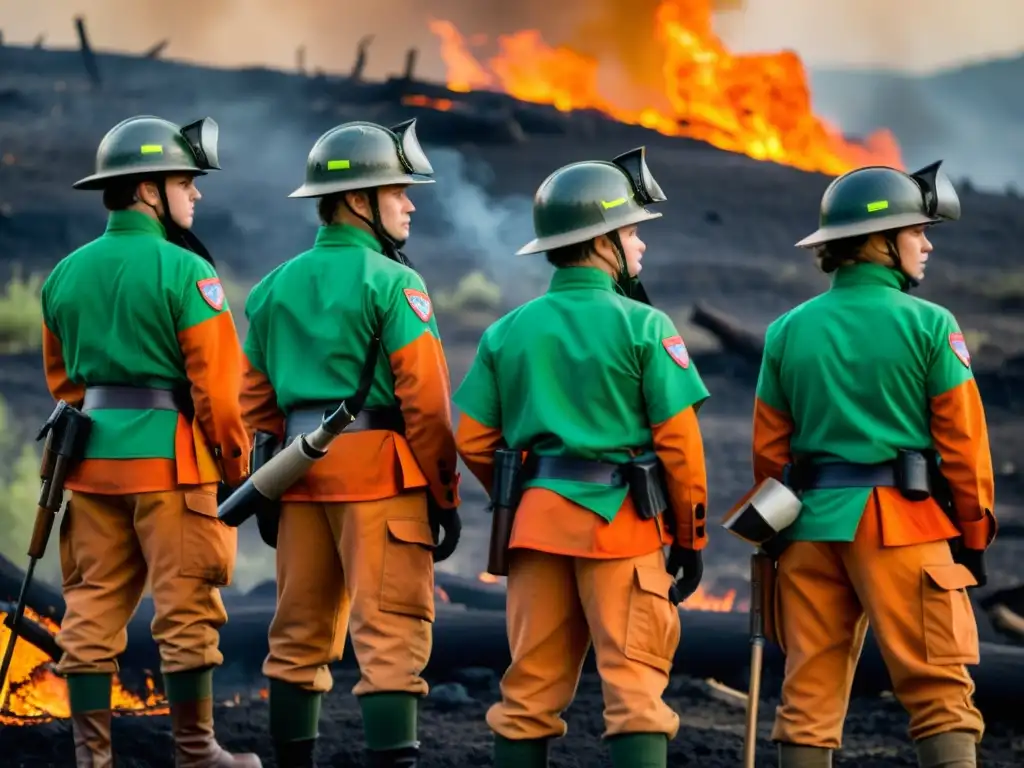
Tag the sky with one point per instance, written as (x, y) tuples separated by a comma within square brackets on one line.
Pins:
[(909, 35)]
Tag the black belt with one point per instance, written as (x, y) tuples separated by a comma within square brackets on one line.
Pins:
[(306, 418), (846, 475), (572, 468), (131, 398)]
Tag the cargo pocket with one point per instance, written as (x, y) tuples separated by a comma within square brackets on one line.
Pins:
[(70, 573), (407, 578), (950, 628), (207, 545), (652, 629)]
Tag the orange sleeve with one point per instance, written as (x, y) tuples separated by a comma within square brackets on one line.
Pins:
[(213, 364), (57, 381), (960, 434), (476, 445), (423, 389), (771, 433), (260, 411), (679, 446)]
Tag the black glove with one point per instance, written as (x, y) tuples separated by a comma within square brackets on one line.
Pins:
[(687, 568), (446, 520), (974, 561)]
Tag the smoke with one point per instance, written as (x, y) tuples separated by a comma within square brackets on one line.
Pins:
[(487, 229)]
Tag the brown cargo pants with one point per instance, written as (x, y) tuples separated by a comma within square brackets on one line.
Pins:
[(110, 546), (360, 566)]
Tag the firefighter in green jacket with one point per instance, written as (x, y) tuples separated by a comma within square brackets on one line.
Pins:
[(600, 392), (356, 536), (137, 332), (867, 407)]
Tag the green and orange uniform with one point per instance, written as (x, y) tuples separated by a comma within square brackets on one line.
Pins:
[(849, 379), (138, 333), (355, 547), (585, 373)]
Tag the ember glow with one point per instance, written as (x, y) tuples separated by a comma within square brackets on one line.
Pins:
[(754, 104), (38, 694)]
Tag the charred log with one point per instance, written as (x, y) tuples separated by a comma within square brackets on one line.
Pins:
[(156, 50), (411, 56), (88, 57), (361, 52), (42, 598), (733, 336)]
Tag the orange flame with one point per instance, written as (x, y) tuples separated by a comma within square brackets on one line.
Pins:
[(702, 600), (755, 104), (38, 694), (416, 100)]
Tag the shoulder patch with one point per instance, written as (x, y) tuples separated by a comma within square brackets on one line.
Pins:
[(212, 292), (420, 303), (677, 350), (959, 347)]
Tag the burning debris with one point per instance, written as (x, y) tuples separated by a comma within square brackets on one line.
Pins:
[(756, 104)]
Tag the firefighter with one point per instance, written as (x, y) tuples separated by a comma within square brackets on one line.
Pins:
[(867, 407), (600, 393), (138, 333), (356, 537)]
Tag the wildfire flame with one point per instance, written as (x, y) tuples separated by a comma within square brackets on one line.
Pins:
[(38, 694), (755, 104)]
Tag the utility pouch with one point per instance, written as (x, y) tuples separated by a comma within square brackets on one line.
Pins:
[(912, 470), (647, 487)]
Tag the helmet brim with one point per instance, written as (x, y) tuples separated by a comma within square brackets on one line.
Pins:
[(102, 180), (321, 189), (550, 243), (829, 234)]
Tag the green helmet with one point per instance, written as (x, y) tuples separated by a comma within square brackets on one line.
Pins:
[(145, 145), (360, 155), (583, 200), (878, 198)]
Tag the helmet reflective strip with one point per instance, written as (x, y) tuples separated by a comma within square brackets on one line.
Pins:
[(879, 205), (151, 149), (338, 165), (613, 203)]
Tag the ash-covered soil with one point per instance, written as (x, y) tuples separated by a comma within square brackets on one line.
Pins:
[(454, 734)]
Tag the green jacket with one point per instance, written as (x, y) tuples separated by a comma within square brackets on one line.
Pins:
[(855, 369), (312, 318), (117, 305), (581, 371)]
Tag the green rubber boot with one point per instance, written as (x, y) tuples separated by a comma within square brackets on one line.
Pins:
[(639, 750), (802, 756), (294, 721), (520, 753), (955, 749)]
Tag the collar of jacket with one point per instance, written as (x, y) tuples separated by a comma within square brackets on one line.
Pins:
[(339, 235), (854, 275), (135, 222), (574, 278)]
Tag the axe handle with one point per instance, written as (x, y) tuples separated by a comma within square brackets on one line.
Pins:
[(753, 698)]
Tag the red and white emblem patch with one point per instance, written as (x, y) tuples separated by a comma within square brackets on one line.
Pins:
[(959, 347), (677, 350), (212, 292), (420, 303)]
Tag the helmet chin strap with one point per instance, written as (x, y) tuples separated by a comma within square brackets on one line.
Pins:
[(630, 286), (176, 234), (894, 256), (392, 246)]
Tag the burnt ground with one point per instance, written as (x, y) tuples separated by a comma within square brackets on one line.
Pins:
[(726, 239), (454, 734)]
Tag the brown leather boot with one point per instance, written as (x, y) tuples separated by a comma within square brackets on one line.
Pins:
[(196, 747), (955, 749), (801, 756), (91, 731)]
